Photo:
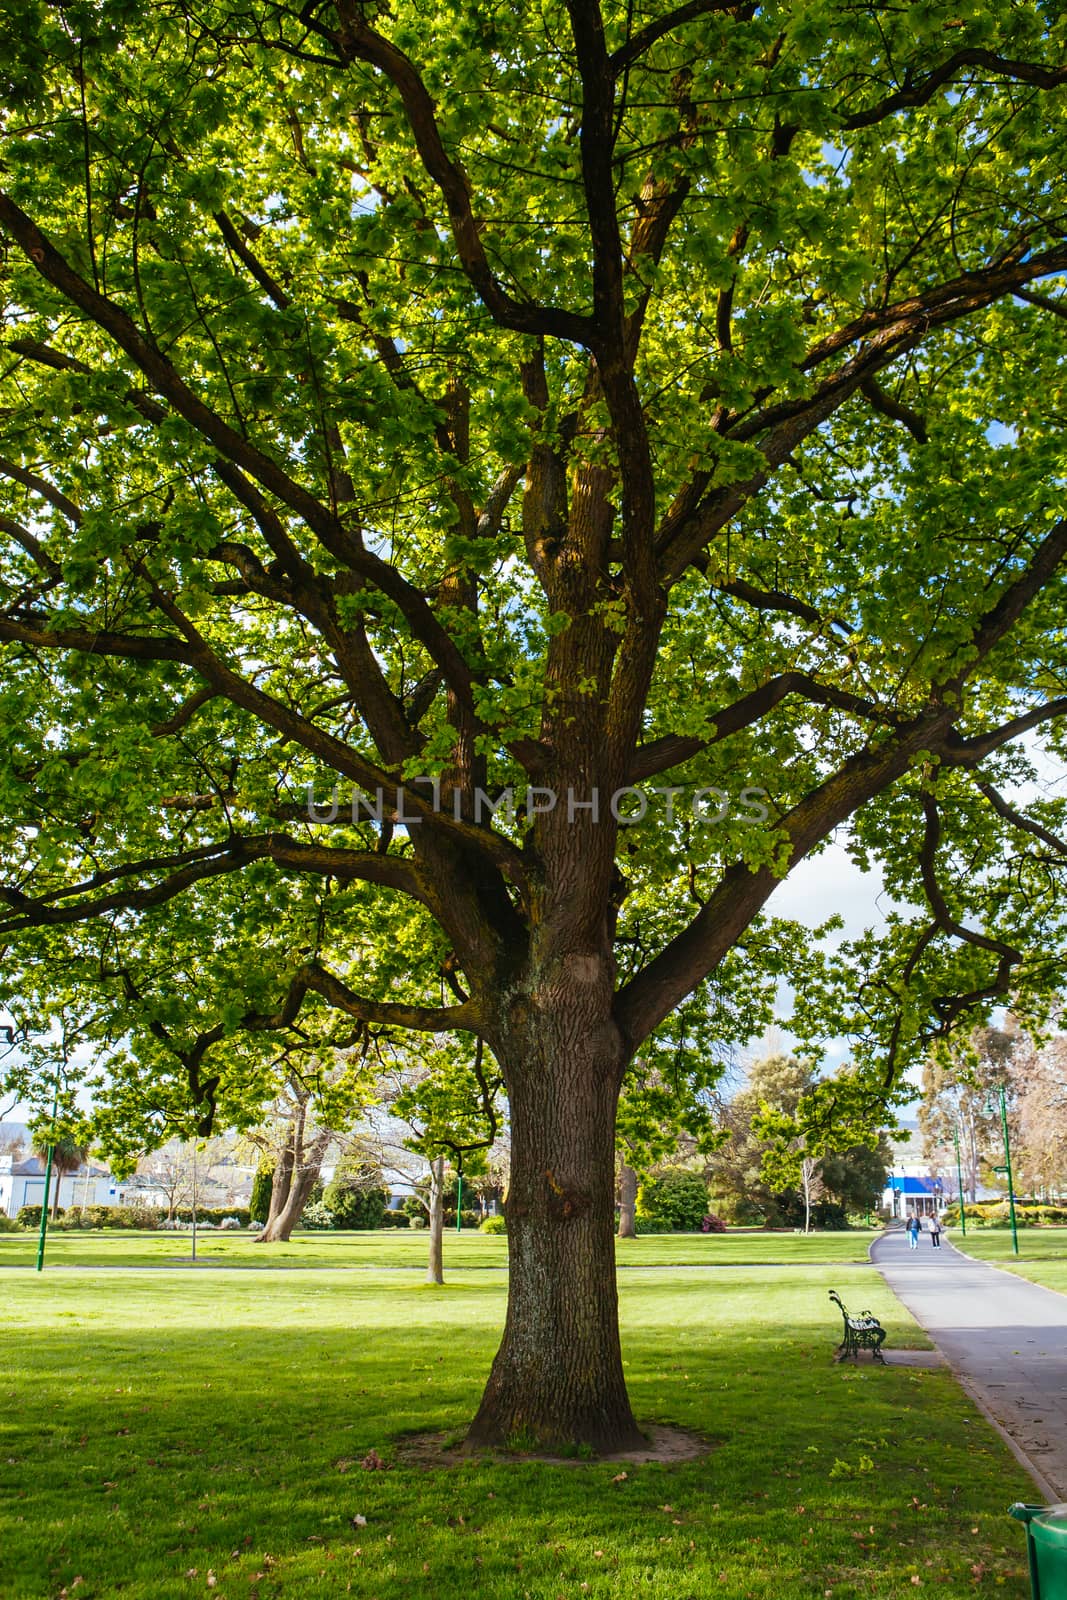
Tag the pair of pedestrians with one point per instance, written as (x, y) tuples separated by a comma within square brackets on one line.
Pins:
[(933, 1228)]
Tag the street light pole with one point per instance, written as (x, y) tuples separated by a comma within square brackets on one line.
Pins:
[(959, 1179), (194, 1199), (1007, 1164), (48, 1180)]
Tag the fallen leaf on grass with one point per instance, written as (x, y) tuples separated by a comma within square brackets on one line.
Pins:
[(620, 1477), (359, 1521)]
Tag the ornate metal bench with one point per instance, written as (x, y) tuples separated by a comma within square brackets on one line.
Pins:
[(861, 1333)]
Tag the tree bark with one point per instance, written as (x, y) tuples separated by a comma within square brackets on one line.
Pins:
[(557, 1379), (435, 1271), (627, 1202)]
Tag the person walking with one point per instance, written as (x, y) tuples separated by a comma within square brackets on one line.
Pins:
[(913, 1231), (935, 1231)]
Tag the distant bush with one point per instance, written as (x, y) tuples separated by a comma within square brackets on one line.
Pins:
[(213, 1214), (647, 1224), (495, 1224), (469, 1219), (678, 1198), (29, 1216), (417, 1222), (353, 1207), (317, 1217), (997, 1214), (712, 1224), (394, 1219), (9, 1224)]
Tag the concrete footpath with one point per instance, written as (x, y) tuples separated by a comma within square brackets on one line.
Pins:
[(1004, 1338)]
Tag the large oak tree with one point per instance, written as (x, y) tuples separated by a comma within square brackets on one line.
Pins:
[(561, 398)]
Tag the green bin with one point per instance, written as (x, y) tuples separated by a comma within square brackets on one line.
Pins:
[(1046, 1545)]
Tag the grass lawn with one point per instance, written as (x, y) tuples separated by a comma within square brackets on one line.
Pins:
[(395, 1248), (169, 1435), (1042, 1252)]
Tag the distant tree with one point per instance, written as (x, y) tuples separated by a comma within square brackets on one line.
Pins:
[(68, 1155), (960, 1087), (1040, 1116), (777, 1164), (450, 1101)]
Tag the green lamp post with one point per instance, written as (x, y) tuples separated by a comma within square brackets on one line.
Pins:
[(959, 1179), (1006, 1168), (47, 1181)]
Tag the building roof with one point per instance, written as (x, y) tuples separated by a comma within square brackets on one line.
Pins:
[(34, 1167)]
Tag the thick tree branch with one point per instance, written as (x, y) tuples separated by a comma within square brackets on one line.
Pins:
[(36, 485), (1019, 820), (660, 755), (268, 284), (334, 537), (337, 757), (314, 979), (918, 92), (32, 546), (188, 868), (357, 41), (883, 335), (642, 41), (969, 752)]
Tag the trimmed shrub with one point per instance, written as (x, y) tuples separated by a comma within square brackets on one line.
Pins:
[(259, 1205), (9, 1224), (712, 1224), (494, 1224), (317, 1217), (417, 1222)]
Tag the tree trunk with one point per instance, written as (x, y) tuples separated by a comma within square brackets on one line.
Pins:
[(280, 1185), (280, 1230), (303, 1176), (557, 1379), (435, 1270), (627, 1202)]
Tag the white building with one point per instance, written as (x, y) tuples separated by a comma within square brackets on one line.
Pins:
[(22, 1184)]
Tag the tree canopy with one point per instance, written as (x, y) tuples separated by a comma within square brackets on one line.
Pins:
[(621, 442)]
